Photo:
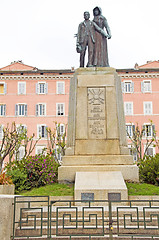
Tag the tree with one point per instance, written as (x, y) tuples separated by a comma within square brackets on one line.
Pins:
[(56, 140), (12, 139), (146, 134)]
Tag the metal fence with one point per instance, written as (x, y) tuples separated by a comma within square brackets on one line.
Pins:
[(38, 218)]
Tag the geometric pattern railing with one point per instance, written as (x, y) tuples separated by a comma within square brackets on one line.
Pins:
[(35, 217)]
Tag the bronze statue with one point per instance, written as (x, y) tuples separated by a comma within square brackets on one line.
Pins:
[(100, 49), (92, 34), (86, 37)]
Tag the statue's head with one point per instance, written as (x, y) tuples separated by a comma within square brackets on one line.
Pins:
[(97, 11), (86, 15)]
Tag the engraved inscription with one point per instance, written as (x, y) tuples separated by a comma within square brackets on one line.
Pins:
[(96, 113), (87, 196), (114, 196)]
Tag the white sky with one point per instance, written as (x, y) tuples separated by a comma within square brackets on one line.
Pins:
[(41, 32)]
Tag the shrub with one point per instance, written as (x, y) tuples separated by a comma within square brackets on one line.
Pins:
[(34, 171), (5, 179), (149, 169)]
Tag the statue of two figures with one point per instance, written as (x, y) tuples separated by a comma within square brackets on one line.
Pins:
[(92, 34)]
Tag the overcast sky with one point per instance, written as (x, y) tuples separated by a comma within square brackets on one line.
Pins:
[(41, 32)]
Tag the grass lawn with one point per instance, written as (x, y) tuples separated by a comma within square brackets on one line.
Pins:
[(142, 189), (54, 189)]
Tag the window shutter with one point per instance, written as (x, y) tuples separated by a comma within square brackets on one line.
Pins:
[(132, 87), (25, 107), (142, 87), (46, 88), (45, 131), (37, 88), (5, 88), (144, 128), (39, 131), (37, 109), (1, 131), (133, 129), (4, 109), (123, 87), (153, 130), (16, 109)]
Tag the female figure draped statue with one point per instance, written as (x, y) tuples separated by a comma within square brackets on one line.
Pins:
[(100, 48)]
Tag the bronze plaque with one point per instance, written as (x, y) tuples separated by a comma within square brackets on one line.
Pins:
[(114, 196), (87, 196), (96, 113)]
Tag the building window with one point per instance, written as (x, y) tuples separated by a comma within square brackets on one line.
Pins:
[(40, 150), (3, 88), (133, 152), (42, 131), (147, 108), (130, 128), (60, 129), (21, 109), (150, 151), (127, 87), (146, 86), (42, 88), (21, 128), (60, 109), (128, 107), (2, 109), (1, 131), (41, 109), (21, 88), (148, 130), (60, 87), (20, 153)]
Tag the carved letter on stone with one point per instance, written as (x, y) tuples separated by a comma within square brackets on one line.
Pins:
[(96, 113)]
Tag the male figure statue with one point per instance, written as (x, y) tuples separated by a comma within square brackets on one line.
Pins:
[(86, 37)]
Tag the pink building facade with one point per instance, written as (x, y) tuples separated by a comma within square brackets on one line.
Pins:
[(37, 99), (140, 88), (34, 98)]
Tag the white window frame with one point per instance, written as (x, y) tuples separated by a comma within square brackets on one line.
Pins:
[(38, 106), (153, 149), (38, 89), (144, 88), (40, 147), (129, 129), (2, 110), (149, 132), (4, 88), (21, 90), (21, 152), (39, 130), (21, 127), (1, 131), (125, 87), (60, 125), (134, 154), (146, 110), (58, 91), (127, 109), (57, 109), (17, 109)]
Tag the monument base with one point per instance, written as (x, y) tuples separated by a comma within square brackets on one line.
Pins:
[(67, 174), (100, 186)]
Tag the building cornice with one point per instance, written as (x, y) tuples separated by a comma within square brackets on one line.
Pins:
[(35, 77)]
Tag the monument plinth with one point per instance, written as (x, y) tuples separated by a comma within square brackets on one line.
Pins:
[(96, 139)]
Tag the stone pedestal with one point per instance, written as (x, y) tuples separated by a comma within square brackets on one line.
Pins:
[(96, 139), (100, 186)]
